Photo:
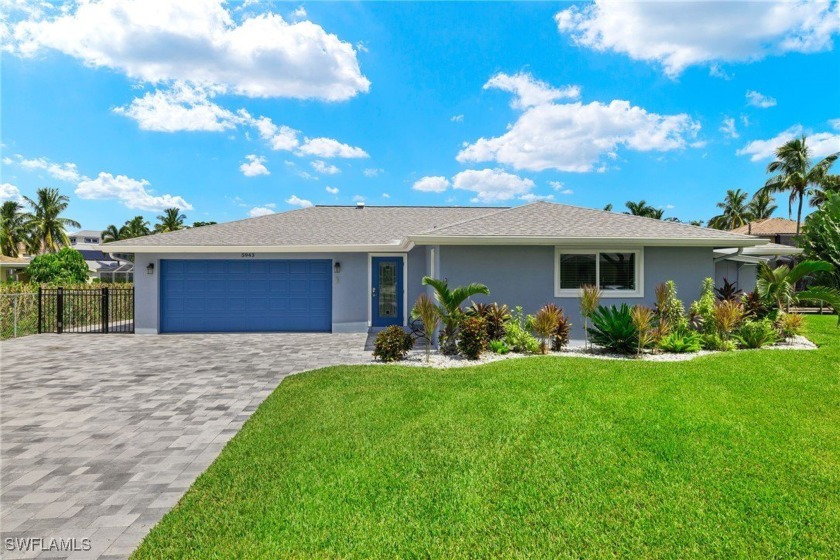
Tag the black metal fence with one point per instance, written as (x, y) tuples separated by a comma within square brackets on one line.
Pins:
[(86, 310)]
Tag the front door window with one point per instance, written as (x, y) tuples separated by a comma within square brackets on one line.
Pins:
[(387, 289)]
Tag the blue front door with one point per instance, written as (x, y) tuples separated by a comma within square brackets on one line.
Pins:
[(387, 291)]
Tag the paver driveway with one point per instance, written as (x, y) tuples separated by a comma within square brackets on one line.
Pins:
[(102, 434)]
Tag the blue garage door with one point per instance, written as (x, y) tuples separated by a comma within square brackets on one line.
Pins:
[(245, 296)]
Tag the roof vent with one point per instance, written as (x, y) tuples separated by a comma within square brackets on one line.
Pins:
[(360, 206)]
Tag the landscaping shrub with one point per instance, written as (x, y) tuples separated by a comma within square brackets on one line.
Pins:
[(681, 342), (669, 308), (518, 336), (643, 321), (727, 315), (755, 334), (790, 324), (729, 291), (472, 337), (428, 313), (495, 316), (754, 308), (560, 338), (499, 347), (715, 342), (590, 297), (392, 344), (67, 266), (613, 328), (545, 324), (701, 311)]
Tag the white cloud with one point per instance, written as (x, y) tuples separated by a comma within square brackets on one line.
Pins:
[(531, 197), (372, 172), (682, 34), (68, 172), (324, 168), (258, 211), (158, 41), (575, 136), (254, 166), (560, 187), (358, 198), (332, 190), (329, 148), (278, 137), (386, 195), (10, 192), (492, 185), (716, 71), (295, 201), (528, 91), (728, 127), (760, 100), (834, 123), (180, 108), (130, 192), (457, 118), (300, 12), (431, 184), (819, 145)]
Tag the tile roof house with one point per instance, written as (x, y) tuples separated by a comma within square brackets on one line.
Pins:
[(778, 230), (344, 268)]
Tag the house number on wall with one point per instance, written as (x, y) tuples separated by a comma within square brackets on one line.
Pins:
[(247, 255)]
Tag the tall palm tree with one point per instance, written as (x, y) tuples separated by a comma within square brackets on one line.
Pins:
[(12, 228), (45, 222), (761, 206), (795, 173), (449, 305), (137, 227), (111, 233), (170, 220), (642, 208), (735, 213)]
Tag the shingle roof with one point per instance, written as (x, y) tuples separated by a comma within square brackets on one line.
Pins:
[(316, 226), (86, 233), (393, 226), (549, 220), (770, 226)]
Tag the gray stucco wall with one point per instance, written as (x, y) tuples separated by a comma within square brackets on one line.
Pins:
[(525, 275), (742, 273), (351, 293)]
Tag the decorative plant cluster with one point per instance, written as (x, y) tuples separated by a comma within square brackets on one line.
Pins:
[(392, 344)]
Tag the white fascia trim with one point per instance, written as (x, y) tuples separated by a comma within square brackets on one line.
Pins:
[(595, 242), (397, 247)]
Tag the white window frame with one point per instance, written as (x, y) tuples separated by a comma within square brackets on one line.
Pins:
[(639, 292)]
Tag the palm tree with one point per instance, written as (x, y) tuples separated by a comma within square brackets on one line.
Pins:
[(831, 184), (735, 213), (45, 222), (778, 285), (137, 227), (608, 207), (795, 173), (762, 205), (12, 228), (642, 208), (111, 233), (170, 220), (449, 305)]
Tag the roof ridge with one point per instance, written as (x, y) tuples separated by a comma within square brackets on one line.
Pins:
[(498, 211)]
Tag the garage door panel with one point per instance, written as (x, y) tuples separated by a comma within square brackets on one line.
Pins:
[(245, 296)]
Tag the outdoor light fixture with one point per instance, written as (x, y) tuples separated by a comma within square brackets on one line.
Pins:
[(337, 267), (150, 269)]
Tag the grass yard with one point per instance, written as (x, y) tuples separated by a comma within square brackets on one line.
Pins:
[(732, 455)]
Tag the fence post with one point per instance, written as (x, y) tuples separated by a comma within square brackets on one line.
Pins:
[(15, 312), (106, 312), (40, 310), (59, 311)]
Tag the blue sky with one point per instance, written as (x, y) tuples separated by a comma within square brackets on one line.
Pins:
[(230, 110)]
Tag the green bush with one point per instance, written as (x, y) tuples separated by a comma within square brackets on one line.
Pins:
[(392, 344), (472, 337), (790, 324), (714, 341), (613, 328), (494, 314), (517, 334), (67, 266), (681, 342), (669, 308), (499, 347), (755, 334), (701, 312)]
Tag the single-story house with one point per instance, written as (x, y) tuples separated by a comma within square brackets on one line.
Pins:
[(740, 266), (776, 230), (101, 265), (347, 269)]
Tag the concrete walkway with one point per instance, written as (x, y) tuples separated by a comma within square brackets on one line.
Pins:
[(100, 435)]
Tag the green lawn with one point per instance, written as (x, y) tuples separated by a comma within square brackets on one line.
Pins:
[(731, 455)]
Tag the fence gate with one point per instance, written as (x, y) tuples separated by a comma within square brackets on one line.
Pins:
[(86, 310)]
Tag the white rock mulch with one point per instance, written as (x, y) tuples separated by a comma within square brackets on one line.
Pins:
[(439, 361)]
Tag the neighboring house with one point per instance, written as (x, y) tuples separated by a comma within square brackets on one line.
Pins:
[(776, 230), (346, 269), (740, 266), (11, 267), (104, 266)]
